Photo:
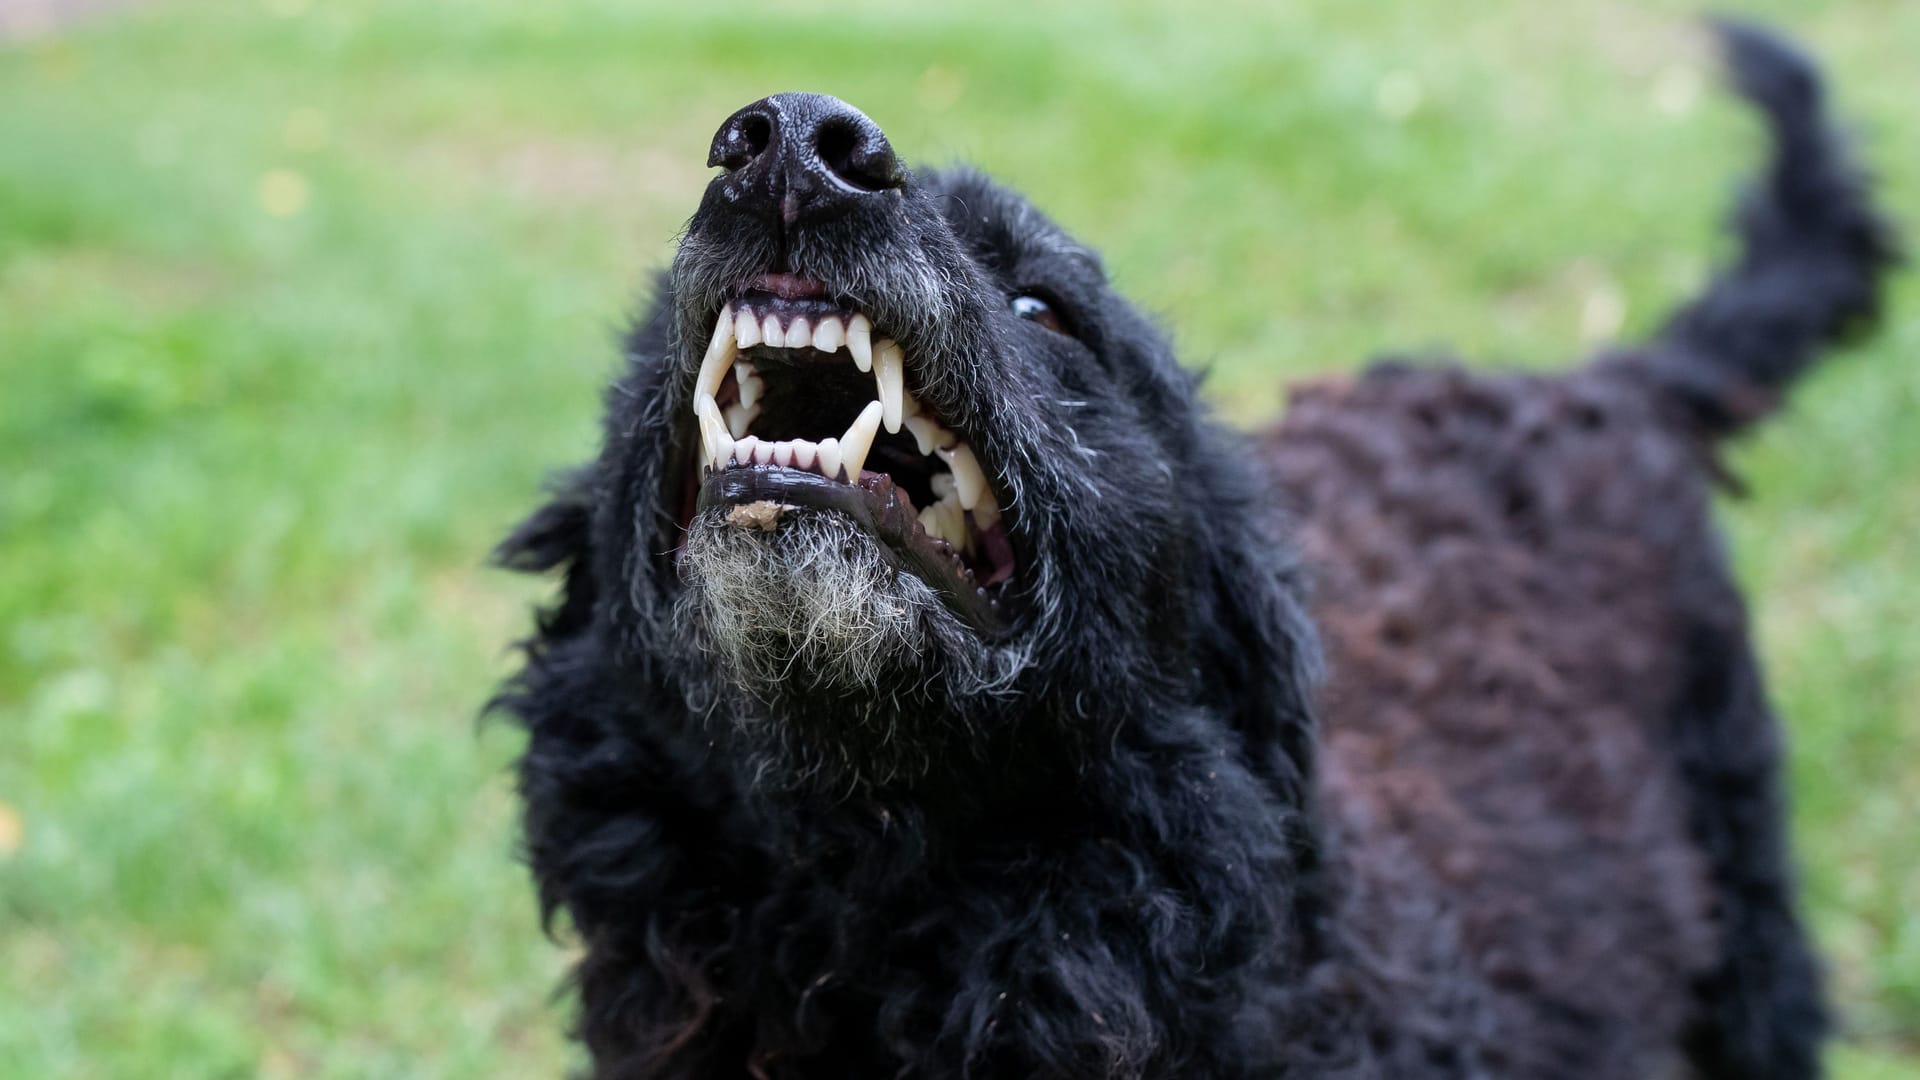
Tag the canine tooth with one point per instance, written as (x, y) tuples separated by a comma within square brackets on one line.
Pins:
[(860, 342), (829, 458), (858, 440), (743, 450), (720, 354), (783, 453), (830, 334), (929, 434), (804, 453), (799, 334), (968, 479), (771, 333), (740, 418), (763, 452), (987, 513), (750, 383), (713, 430), (746, 332), (890, 372)]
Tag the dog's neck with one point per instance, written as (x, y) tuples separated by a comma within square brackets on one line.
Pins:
[(868, 884), (1081, 761)]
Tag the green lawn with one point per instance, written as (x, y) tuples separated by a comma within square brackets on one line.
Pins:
[(299, 301)]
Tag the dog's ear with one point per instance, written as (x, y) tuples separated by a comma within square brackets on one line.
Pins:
[(558, 536)]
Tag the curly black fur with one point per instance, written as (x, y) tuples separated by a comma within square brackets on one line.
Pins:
[(1538, 836)]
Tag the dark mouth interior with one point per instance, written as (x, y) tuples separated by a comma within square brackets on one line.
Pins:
[(803, 399), (805, 403), (808, 400)]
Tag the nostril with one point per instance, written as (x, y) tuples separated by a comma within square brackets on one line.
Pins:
[(856, 154), (757, 132), (743, 138), (834, 143)]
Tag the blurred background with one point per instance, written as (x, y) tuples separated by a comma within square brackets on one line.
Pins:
[(299, 300)]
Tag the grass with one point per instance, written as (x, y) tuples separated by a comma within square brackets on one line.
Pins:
[(298, 302)]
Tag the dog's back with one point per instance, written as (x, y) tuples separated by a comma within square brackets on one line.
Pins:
[(1543, 699)]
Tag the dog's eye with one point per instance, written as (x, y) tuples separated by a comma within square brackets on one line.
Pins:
[(1033, 309)]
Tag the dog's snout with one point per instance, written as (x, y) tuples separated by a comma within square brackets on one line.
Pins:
[(804, 156)]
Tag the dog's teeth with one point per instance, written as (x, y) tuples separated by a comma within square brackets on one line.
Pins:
[(740, 418), (968, 479), (783, 453), (720, 354), (860, 342), (986, 513), (771, 333), (829, 458), (743, 450), (858, 440), (750, 382), (944, 520), (763, 452), (922, 430), (930, 521), (929, 434), (804, 453), (715, 444), (746, 332), (704, 409), (830, 334), (800, 334), (942, 485), (889, 371), (953, 523)]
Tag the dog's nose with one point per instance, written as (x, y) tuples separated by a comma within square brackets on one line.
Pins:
[(805, 156)]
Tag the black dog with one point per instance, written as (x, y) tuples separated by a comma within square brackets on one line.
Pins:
[(935, 693)]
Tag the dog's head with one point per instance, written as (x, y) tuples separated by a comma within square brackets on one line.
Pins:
[(895, 473)]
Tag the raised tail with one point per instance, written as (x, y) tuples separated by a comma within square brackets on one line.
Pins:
[(1814, 251)]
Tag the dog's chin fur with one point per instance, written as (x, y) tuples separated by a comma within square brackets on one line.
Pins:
[(810, 622), (812, 604)]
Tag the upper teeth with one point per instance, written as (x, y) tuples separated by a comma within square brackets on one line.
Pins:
[(798, 334), (969, 482), (829, 335), (859, 332), (890, 371), (725, 434)]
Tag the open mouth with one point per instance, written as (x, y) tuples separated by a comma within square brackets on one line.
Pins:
[(801, 401)]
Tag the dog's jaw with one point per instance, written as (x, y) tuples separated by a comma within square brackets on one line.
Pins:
[(844, 590), (775, 366)]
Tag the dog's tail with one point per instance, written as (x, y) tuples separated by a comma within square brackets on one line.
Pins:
[(1813, 253)]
